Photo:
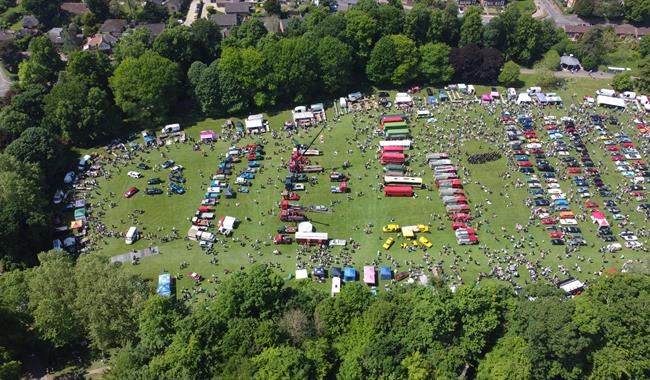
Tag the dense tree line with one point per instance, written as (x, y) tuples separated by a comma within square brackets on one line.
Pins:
[(259, 327), (631, 10)]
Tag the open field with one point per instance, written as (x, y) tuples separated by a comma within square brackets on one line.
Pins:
[(355, 212)]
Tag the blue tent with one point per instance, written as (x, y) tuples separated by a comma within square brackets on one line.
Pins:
[(431, 99), (319, 272), (228, 193), (349, 274), (336, 272), (442, 95), (164, 285), (385, 273)]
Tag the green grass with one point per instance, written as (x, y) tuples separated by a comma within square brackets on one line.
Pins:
[(525, 6), (350, 216)]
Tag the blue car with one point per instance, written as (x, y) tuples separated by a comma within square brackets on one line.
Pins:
[(253, 164), (520, 157), (247, 175), (561, 202), (176, 188), (211, 195)]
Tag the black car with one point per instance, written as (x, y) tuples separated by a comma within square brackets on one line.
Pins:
[(176, 178), (609, 239), (152, 191), (527, 170), (154, 181), (610, 203), (545, 168), (383, 94), (605, 231), (557, 241), (540, 156), (143, 166), (548, 175), (571, 230), (614, 210), (542, 202)]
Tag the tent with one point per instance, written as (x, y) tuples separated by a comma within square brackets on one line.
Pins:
[(349, 274), (486, 98), (541, 98), (208, 136), (228, 193), (571, 286), (305, 227), (80, 213), (164, 285), (301, 274), (610, 101), (402, 98), (319, 272), (523, 98), (385, 273), (80, 203), (431, 99), (369, 275), (336, 272)]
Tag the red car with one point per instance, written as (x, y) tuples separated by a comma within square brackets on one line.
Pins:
[(521, 152), (549, 221), (524, 164), (556, 235), (457, 225), (627, 145), (130, 192), (282, 239), (575, 171), (537, 150), (618, 157), (460, 217), (591, 204), (613, 148)]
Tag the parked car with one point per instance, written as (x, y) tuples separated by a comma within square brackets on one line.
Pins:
[(176, 178), (154, 181), (176, 188), (152, 191), (134, 174), (143, 166), (167, 164), (130, 192)]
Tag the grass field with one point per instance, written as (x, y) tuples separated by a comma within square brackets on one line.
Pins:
[(351, 214)]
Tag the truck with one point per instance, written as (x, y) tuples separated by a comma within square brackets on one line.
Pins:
[(131, 235), (292, 216), (282, 239), (170, 128)]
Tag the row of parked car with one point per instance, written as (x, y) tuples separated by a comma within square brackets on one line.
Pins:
[(176, 180)]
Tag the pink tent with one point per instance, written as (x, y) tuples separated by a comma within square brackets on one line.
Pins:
[(369, 275), (486, 97), (208, 135)]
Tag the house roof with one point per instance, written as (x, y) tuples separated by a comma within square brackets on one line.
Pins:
[(237, 8), (30, 21), (626, 29), (55, 35), (640, 32), (576, 29), (97, 39), (155, 29), (6, 35), (75, 8), (225, 21), (113, 26)]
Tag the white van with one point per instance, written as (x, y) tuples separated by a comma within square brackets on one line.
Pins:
[(131, 235), (171, 128)]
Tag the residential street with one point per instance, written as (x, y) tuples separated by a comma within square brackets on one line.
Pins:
[(555, 13)]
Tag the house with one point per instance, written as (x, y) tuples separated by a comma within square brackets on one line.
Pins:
[(225, 22), (55, 35), (569, 62), (154, 29), (113, 26), (467, 3), (576, 31), (239, 9), (344, 5), (100, 42), (625, 30), (75, 9), (642, 32), (7, 35), (30, 22)]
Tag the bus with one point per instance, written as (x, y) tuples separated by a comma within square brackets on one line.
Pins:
[(406, 144), (403, 181), (395, 125), (397, 133)]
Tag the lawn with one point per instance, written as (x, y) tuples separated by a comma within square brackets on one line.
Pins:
[(352, 213)]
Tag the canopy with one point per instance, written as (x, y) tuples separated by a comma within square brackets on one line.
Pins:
[(540, 97), (208, 135), (403, 98), (305, 227), (369, 275), (349, 274), (76, 224), (336, 272), (301, 274), (79, 213), (571, 285), (523, 98), (164, 284), (79, 203), (385, 273), (610, 101), (486, 97), (319, 271)]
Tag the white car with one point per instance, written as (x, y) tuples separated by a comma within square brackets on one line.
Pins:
[(633, 244), (298, 186), (134, 174), (177, 168), (632, 156), (618, 217), (568, 222)]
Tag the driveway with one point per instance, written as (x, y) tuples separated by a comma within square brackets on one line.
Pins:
[(555, 13), (579, 74)]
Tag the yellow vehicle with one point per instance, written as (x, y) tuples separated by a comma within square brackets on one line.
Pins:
[(389, 242), (423, 228), (415, 243), (425, 242), (391, 228)]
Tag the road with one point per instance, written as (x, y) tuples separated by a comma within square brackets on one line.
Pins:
[(555, 13), (5, 82)]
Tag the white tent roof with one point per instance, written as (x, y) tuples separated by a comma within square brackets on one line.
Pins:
[(301, 274), (610, 101), (571, 286), (303, 115), (403, 97), (229, 222), (311, 235), (523, 98), (258, 116), (305, 227), (253, 124)]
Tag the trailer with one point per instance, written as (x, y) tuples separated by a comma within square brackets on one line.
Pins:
[(451, 191), (398, 191), (434, 163), (311, 238), (292, 216), (391, 148), (437, 156), (392, 158), (312, 169)]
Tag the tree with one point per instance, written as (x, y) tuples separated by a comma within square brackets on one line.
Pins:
[(108, 301), (336, 64), (394, 59), (417, 24), (43, 63), (146, 87), (417, 366), (273, 7), (14, 122), (99, 7), (71, 42), (206, 38), (243, 77), (246, 35), (23, 210), (360, 31), (471, 29), (10, 55), (473, 64), (333, 25), (46, 11), (82, 114), (509, 74), (637, 10), (450, 24), (644, 46), (91, 68), (296, 27), (623, 82), (132, 44), (37, 146), (584, 8), (52, 290), (508, 360), (297, 325), (294, 68), (176, 45), (550, 61), (282, 363), (204, 81), (434, 63)]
